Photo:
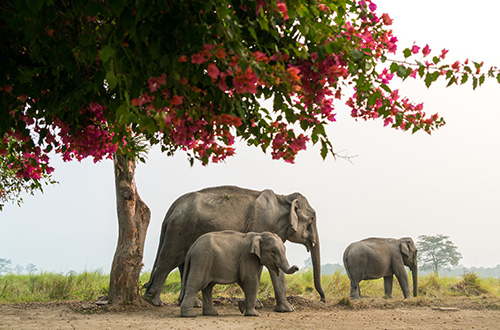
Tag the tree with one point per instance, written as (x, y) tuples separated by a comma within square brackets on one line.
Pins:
[(31, 268), (435, 252), (5, 265), (89, 79)]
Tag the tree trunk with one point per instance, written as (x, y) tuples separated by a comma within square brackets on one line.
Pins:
[(133, 221)]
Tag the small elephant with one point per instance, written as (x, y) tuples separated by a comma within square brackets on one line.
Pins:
[(230, 257), (374, 258)]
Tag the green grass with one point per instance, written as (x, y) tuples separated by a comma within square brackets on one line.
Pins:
[(90, 285)]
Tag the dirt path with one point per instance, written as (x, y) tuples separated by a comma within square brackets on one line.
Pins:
[(375, 314)]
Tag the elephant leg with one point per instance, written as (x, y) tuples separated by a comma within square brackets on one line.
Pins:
[(187, 309), (388, 285), (355, 291), (402, 277), (165, 264), (197, 303), (250, 290), (208, 303), (279, 284)]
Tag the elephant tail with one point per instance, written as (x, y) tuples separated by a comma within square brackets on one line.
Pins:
[(160, 246), (346, 262), (185, 274)]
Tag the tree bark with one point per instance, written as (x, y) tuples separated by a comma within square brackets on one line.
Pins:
[(133, 220)]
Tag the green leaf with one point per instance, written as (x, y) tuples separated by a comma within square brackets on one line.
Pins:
[(403, 72), (252, 32), (357, 54), (106, 53), (407, 52), (465, 77), (452, 80), (118, 6), (394, 67), (111, 79)]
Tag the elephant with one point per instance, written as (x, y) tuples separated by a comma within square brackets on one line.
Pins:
[(227, 257), (375, 257), (238, 209)]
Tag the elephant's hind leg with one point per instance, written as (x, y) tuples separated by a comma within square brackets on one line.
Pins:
[(159, 275), (208, 303), (388, 280), (355, 291)]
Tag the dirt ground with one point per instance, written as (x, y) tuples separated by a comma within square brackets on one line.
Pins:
[(369, 313)]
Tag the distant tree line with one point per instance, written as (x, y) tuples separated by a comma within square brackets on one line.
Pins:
[(6, 267)]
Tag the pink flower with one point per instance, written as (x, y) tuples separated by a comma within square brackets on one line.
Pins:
[(182, 58), (284, 10), (443, 53), (176, 100), (372, 6), (198, 59), (426, 50), (213, 71), (386, 19), (415, 49)]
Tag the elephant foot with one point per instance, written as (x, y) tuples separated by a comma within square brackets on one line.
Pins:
[(198, 303), (188, 312), (210, 312), (355, 297), (252, 312), (153, 299), (241, 305), (284, 307)]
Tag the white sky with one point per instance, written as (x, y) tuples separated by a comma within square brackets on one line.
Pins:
[(399, 185)]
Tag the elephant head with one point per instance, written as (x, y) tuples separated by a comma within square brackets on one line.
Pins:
[(269, 248), (302, 229), (409, 252)]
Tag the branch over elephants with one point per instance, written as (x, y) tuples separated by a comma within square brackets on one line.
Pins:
[(238, 209)]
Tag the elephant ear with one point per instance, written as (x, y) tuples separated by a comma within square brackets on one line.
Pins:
[(255, 245), (405, 248), (294, 218)]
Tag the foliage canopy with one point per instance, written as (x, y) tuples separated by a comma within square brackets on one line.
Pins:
[(85, 78)]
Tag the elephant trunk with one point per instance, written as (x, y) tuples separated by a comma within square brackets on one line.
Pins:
[(316, 263), (291, 270), (414, 273)]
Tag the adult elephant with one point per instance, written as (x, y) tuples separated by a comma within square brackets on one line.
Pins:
[(243, 210), (374, 258)]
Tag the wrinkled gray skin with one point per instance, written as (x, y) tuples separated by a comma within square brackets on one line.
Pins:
[(243, 210), (226, 257), (374, 258)]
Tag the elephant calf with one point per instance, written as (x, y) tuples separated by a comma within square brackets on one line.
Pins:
[(374, 258), (230, 257)]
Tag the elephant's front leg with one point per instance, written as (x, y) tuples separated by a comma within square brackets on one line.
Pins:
[(388, 285), (279, 284), (208, 303), (250, 288), (402, 277)]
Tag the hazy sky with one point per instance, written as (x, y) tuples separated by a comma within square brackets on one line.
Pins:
[(398, 185)]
